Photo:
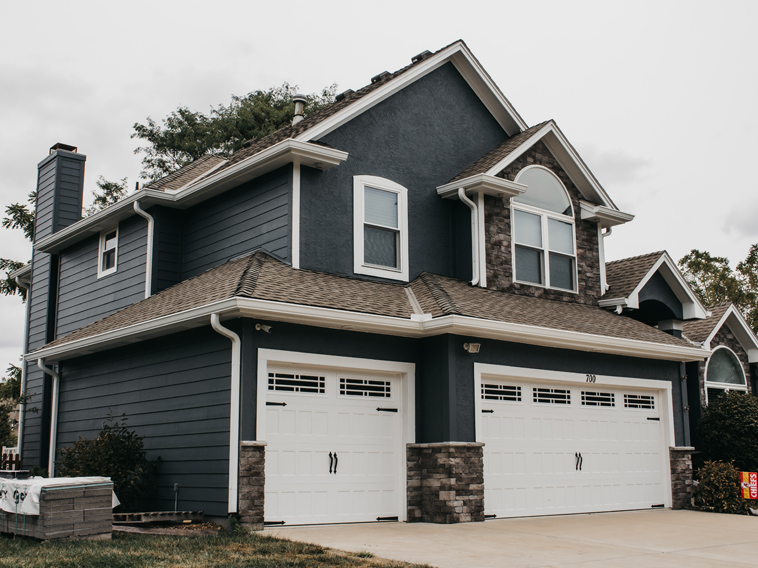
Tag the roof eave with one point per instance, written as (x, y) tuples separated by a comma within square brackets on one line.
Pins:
[(482, 183), (602, 215)]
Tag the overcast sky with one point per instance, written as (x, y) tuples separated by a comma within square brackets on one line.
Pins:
[(659, 98)]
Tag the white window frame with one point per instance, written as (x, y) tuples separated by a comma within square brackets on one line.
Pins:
[(723, 386), (359, 266), (102, 250), (544, 215)]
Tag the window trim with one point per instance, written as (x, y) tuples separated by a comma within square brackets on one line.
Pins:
[(723, 386), (544, 215), (102, 250), (361, 267)]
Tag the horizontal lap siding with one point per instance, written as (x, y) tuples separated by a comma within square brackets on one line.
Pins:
[(45, 201), (83, 297), (253, 215), (167, 266), (174, 391)]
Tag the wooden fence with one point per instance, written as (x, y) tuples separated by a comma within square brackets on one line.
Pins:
[(11, 460)]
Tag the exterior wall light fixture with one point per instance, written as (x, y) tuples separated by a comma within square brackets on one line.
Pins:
[(472, 347)]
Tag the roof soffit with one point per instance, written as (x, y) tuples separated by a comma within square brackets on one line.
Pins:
[(467, 65)]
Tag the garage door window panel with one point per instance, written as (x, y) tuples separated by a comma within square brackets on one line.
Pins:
[(295, 383)]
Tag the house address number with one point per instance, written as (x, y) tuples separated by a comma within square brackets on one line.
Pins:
[(591, 378)]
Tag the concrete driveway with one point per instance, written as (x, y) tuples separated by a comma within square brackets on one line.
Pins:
[(635, 539)]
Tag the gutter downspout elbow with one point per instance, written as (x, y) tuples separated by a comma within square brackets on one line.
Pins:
[(149, 253), (234, 412), (474, 235), (22, 390), (53, 417)]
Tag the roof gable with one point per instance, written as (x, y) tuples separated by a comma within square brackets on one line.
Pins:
[(703, 331), (627, 277)]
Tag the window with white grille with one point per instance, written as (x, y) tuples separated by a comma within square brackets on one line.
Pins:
[(365, 387), (510, 393), (590, 398), (288, 382), (551, 396), (641, 401)]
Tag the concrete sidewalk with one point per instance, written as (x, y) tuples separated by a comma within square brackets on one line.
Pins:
[(634, 539)]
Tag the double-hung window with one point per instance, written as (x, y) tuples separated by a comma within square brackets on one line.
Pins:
[(544, 249), (108, 253), (380, 232)]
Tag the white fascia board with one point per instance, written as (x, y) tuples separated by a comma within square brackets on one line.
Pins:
[(371, 323), (602, 215), (482, 183), (134, 333), (567, 157), (692, 307), (464, 62), (280, 154), (733, 319), (23, 273)]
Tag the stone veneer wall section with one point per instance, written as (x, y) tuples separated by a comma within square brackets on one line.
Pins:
[(724, 337), (681, 477), (252, 482), (445, 482), (497, 220)]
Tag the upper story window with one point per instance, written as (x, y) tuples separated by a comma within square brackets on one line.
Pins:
[(723, 372), (380, 228), (544, 249), (108, 255)]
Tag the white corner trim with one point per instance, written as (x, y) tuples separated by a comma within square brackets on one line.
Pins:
[(481, 183), (295, 233)]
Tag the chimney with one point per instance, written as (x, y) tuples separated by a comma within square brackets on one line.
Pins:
[(60, 190), (300, 101)]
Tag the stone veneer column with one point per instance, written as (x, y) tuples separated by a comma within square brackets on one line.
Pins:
[(445, 482), (681, 476), (252, 483)]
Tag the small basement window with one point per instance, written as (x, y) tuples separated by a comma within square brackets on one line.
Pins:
[(723, 372), (108, 256)]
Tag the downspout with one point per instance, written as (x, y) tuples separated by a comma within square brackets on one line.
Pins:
[(22, 390), (685, 404), (474, 235), (149, 253), (53, 417), (234, 411), (603, 279)]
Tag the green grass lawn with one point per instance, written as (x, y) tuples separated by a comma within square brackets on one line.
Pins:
[(223, 550)]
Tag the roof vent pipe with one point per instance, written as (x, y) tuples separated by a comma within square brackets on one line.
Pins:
[(300, 101)]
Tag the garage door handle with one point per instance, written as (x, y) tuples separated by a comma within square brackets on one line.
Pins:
[(579, 460), (576, 464), (330, 462), (336, 461)]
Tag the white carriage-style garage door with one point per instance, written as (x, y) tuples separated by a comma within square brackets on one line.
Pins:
[(559, 448), (333, 451)]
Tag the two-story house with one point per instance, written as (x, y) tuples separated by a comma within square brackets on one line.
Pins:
[(395, 308)]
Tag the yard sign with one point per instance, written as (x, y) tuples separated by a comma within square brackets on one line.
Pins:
[(749, 484)]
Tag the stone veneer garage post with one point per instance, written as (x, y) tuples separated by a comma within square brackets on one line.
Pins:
[(445, 482), (252, 481)]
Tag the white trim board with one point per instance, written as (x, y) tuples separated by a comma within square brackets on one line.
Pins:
[(739, 327), (663, 388), (406, 372)]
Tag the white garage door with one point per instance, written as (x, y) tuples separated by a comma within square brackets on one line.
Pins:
[(555, 449), (333, 452)]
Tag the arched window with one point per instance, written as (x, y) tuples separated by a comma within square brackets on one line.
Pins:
[(723, 372), (544, 249)]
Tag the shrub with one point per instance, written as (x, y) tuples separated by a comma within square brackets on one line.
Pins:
[(718, 488), (728, 430), (116, 452)]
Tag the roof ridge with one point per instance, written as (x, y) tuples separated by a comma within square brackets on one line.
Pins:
[(249, 277), (440, 295)]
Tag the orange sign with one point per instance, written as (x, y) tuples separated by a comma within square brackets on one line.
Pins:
[(749, 484)]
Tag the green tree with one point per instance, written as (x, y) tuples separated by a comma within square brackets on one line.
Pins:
[(728, 430), (107, 193), (186, 135), (715, 282), (17, 216), (10, 397)]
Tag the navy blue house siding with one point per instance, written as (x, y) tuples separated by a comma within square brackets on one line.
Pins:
[(84, 298), (174, 390), (251, 216), (421, 138)]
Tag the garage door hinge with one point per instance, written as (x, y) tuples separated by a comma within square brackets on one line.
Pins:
[(651, 418), (276, 403), (273, 523), (386, 409), (387, 519)]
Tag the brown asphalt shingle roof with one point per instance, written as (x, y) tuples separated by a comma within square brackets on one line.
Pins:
[(624, 275), (262, 277), (498, 153), (699, 330), (188, 173)]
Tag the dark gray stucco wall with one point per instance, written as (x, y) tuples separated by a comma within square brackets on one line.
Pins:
[(174, 391), (421, 137), (254, 215), (84, 298)]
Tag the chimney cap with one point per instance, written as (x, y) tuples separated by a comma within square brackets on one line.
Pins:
[(300, 98), (62, 146)]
